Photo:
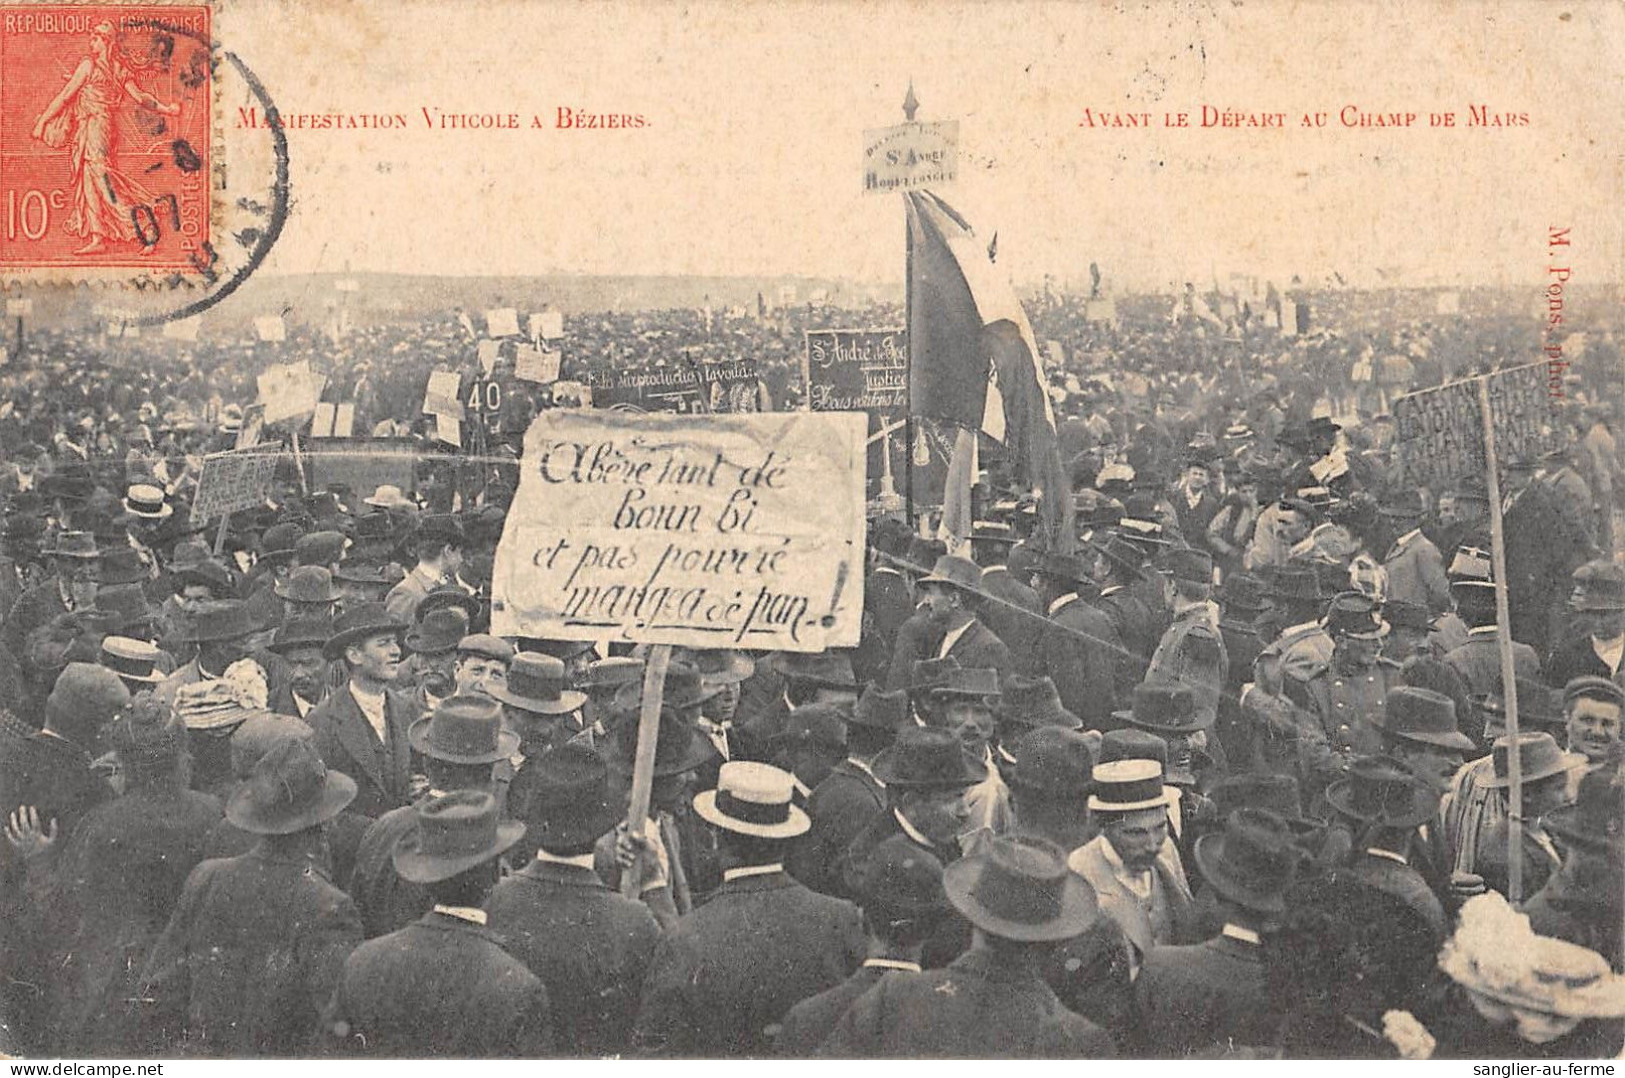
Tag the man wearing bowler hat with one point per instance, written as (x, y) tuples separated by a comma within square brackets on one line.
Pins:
[(361, 728), (443, 986), (300, 645), (1595, 646), (723, 979), (536, 706), (991, 1001), (946, 625), (852, 797), (70, 587), (432, 646), (1079, 649), (1384, 804), (458, 744), (1196, 996), (255, 946), (902, 901), (590, 946)]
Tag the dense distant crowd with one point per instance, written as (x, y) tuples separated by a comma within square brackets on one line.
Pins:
[(1231, 776)]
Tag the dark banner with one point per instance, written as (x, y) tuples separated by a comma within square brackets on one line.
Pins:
[(856, 370), (685, 388), (1440, 433)]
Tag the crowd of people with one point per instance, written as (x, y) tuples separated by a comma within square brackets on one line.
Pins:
[(1228, 775)]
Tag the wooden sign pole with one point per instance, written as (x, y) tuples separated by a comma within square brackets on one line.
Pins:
[(1503, 636), (643, 768)]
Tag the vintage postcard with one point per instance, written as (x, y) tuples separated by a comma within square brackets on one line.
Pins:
[(805, 528)]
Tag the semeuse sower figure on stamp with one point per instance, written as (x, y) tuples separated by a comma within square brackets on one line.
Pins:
[(85, 108)]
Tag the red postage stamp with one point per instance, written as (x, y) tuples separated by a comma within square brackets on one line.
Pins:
[(105, 124)]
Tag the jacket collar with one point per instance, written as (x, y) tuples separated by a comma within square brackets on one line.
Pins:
[(556, 872)]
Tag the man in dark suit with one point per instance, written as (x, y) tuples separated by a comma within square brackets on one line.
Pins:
[(947, 626), (724, 978), (1009, 606), (1120, 567), (1595, 647), (71, 587), (443, 986), (254, 948), (1020, 898), (1541, 553), (459, 744), (851, 798), (1478, 661), (361, 729), (1079, 648), (589, 946), (902, 902), (1213, 993)]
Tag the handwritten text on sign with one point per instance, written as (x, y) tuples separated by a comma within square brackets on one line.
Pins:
[(856, 370), (708, 531), (1440, 435), (233, 481)]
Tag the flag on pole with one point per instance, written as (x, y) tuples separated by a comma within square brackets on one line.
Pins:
[(974, 361)]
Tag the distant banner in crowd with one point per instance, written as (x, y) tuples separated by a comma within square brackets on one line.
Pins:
[(690, 387), (910, 155), (289, 391), (443, 395), (708, 531), (856, 370), (502, 322), (1440, 433), (240, 479), (537, 365), (363, 465)]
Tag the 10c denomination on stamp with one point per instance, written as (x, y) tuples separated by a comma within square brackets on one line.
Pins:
[(106, 118)]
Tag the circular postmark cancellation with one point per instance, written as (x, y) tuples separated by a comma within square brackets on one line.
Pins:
[(117, 170)]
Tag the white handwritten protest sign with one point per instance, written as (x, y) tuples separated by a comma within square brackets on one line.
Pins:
[(502, 322), (546, 326), (240, 479), (1439, 434), (443, 395), (289, 391), (537, 365), (707, 531)]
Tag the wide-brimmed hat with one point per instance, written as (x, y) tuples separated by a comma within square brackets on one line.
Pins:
[(1382, 790), (980, 682), (278, 541), (1053, 761), (927, 674), (308, 584), (320, 548), (612, 673), (1539, 757), (226, 619), (1124, 554), (1164, 708), (536, 684), (1068, 567), (289, 790), (820, 726), (1020, 888), (564, 650), (569, 805), (1403, 503), (682, 690), (822, 669), (297, 633), (1596, 820), (880, 710), (453, 833), (209, 573), (1187, 564), (719, 666), (955, 571), (1129, 786), (901, 880), (147, 502), (927, 757), (1035, 702), (1257, 790), (1600, 588), (1252, 861), (121, 565), (132, 660), (259, 734), (1415, 714), (753, 799), (360, 622), (78, 545), (679, 746), (464, 729), (389, 496), (1243, 593), (438, 632), (1355, 615)]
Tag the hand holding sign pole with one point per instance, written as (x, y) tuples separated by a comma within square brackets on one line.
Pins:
[(643, 767)]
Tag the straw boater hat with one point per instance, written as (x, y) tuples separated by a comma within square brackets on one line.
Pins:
[(1019, 888), (454, 833), (389, 496), (135, 661), (753, 799), (1128, 786), (147, 502)]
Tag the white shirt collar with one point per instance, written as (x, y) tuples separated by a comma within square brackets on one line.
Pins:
[(911, 831), (1407, 537), (891, 963), (1304, 626), (302, 705), (751, 870), (583, 860), (952, 636), (463, 913), (866, 769), (1113, 590), (1389, 855), (1139, 883), (1062, 601), (1236, 932), (1482, 630), (1610, 652)]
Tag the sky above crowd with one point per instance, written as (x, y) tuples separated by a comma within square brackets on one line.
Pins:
[(749, 162)]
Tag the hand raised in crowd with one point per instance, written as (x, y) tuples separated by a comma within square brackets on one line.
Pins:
[(25, 835)]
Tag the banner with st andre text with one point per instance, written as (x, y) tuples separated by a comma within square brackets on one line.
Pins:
[(715, 531)]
